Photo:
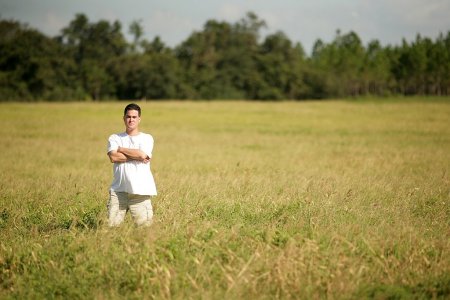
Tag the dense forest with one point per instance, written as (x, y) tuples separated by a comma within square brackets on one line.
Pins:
[(94, 61)]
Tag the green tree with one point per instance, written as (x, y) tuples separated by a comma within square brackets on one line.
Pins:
[(201, 55), (282, 67), (319, 75), (438, 66), (33, 66), (137, 31), (93, 46), (92, 60), (376, 75), (152, 75), (349, 64), (339, 64), (220, 61)]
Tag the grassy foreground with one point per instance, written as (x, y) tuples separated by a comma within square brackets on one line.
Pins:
[(340, 200)]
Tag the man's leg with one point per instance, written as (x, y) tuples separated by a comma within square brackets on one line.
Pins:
[(117, 208), (141, 209)]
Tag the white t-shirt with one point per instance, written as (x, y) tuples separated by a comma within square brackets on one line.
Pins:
[(133, 177)]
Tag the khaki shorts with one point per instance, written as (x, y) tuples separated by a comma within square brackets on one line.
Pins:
[(140, 207)]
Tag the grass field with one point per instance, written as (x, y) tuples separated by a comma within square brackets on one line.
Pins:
[(336, 199)]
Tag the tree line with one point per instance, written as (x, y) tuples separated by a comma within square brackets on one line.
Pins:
[(93, 61)]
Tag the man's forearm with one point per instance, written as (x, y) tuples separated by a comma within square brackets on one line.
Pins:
[(134, 154), (117, 157)]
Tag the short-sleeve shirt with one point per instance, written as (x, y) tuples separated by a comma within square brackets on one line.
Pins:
[(133, 177)]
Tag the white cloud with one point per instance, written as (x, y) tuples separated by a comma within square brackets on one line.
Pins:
[(355, 14), (172, 27), (54, 23), (231, 11)]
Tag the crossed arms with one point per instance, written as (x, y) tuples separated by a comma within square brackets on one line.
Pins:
[(122, 155)]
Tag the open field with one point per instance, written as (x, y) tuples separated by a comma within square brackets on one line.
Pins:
[(336, 199)]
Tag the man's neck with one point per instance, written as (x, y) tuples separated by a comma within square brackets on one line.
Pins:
[(133, 132)]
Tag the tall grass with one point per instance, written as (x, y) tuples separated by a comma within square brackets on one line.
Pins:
[(263, 200)]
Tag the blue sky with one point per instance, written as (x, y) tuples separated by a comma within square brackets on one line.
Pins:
[(302, 21)]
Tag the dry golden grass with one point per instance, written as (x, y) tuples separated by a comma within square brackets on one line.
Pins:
[(337, 199)]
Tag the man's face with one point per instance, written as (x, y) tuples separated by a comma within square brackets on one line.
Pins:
[(131, 119)]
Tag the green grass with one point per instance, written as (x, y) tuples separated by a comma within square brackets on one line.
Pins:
[(336, 199)]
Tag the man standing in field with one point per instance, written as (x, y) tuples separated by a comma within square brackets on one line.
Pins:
[(133, 184)]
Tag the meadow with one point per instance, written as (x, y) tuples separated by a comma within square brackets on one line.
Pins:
[(258, 200)]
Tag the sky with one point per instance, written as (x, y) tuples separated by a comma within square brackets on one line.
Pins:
[(304, 21)]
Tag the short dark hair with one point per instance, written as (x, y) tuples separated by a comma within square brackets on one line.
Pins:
[(132, 106)]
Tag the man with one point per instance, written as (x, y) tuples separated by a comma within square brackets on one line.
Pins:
[(133, 184)]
